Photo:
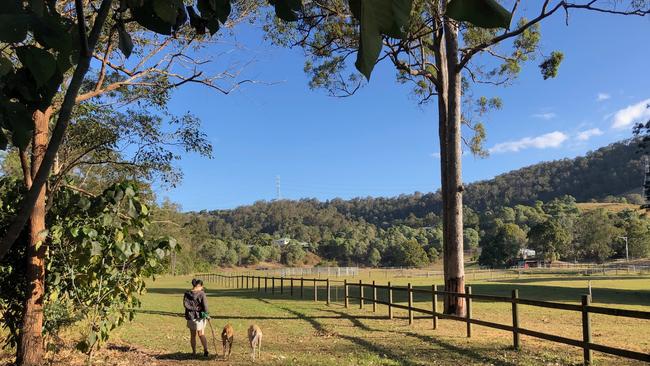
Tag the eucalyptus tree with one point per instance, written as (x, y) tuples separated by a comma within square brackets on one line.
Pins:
[(443, 48)]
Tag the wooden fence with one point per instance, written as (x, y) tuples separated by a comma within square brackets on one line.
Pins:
[(297, 286)]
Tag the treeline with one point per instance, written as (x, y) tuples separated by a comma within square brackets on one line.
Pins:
[(556, 230)]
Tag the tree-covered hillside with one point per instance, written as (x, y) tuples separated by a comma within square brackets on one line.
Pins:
[(407, 230)]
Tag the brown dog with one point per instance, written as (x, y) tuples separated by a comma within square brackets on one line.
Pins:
[(255, 340), (227, 337)]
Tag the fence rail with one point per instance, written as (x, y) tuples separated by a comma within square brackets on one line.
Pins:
[(275, 284)]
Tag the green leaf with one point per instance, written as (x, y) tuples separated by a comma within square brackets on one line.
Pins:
[(40, 63), (378, 18), (14, 27), (55, 32), (20, 123), (147, 17), (481, 13), (125, 42), (551, 65), (213, 12), (287, 10), (166, 10)]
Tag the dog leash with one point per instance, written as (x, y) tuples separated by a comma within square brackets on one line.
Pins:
[(214, 338)]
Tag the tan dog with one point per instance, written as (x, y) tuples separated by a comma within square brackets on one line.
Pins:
[(227, 337), (255, 340)]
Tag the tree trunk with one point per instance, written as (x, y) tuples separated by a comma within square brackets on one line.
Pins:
[(453, 191), (30, 345), (441, 88)]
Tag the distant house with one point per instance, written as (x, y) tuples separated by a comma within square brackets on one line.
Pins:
[(282, 242), (526, 253)]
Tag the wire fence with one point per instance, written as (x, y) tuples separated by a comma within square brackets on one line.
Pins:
[(372, 294)]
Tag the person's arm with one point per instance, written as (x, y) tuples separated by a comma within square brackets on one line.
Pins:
[(204, 299)]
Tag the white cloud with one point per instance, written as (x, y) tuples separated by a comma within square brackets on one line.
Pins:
[(587, 134), (435, 155), (545, 116), (633, 113), (549, 140), (602, 96)]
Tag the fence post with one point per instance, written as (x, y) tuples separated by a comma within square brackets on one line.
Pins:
[(281, 285), (410, 292), (273, 285), (345, 288), (328, 290), (515, 320), (434, 305), (586, 328), (374, 297), (468, 312), (360, 294), (259, 279), (266, 284), (302, 287), (390, 301), (291, 291), (237, 281), (315, 291)]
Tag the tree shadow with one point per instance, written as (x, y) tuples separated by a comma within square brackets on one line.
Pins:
[(184, 356)]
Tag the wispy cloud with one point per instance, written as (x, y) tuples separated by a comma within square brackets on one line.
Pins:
[(602, 96), (549, 140), (587, 134), (545, 116), (633, 113), (435, 155)]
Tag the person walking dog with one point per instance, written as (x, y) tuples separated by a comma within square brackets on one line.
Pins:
[(196, 313)]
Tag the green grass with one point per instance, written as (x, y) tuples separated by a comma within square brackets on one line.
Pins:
[(303, 332)]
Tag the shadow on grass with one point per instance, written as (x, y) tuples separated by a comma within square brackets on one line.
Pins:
[(184, 356), (389, 352)]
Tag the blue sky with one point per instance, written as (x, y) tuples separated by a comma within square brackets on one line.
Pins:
[(380, 142)]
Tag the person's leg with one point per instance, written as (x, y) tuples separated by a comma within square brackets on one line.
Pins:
[(193, 340), (204, 341)]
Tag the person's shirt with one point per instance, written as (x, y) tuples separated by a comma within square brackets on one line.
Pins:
[(195, 302)]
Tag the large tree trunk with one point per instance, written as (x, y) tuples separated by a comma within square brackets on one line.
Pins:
[(453, 191), (30, 346), (441, 89)]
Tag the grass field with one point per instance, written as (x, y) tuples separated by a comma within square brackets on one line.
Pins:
[(303, 332)]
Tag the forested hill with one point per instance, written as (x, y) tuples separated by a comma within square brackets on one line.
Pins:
[(614, 170)]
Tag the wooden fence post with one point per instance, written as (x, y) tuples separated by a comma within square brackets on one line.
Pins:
[(410, 293), (291, 291), (345, 289), (273, 285), (302, 287), (374, 297), (237, 281), (360, 294), (434, 305), (266, 284), (315, 291), (282, 285), (328, 290), (390, 301), (259, 280), (468, 310), (515, 320), (586, 328)]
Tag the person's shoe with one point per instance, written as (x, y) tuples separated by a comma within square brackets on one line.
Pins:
[(205, 353)]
